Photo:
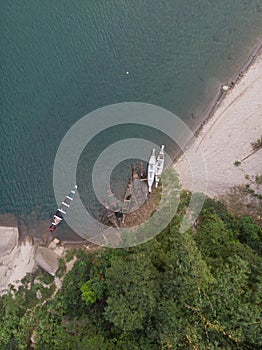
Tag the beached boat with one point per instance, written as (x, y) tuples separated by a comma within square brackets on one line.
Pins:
[(159, 165), (151, 170), (58, 217)]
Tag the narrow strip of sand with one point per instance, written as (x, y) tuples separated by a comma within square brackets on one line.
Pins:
[(227, 136)]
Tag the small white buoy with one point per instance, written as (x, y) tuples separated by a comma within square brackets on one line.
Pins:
[(225, 87), (127, 72)]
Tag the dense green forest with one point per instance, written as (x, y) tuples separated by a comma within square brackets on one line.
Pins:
[(197, 290)]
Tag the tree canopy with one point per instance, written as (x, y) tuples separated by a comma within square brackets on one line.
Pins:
[(196, 290)]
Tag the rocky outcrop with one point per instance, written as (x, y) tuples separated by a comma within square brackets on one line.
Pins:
[(16, 259), (47, 259), (8, 240)]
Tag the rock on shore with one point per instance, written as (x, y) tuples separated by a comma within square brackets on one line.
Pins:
[(47, 259), (8, 240), (17, 258)]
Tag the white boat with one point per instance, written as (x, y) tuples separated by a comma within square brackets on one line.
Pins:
[(58, 217), (151, 171), (159, 165)]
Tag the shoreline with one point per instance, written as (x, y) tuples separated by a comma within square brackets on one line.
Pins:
[(212, 138), (225, 138), (220, 95), (21, 257), (231, 82), (208, 114)]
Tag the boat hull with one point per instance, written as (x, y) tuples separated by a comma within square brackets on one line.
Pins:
[(151, 170), (62, 210), (159, 165)]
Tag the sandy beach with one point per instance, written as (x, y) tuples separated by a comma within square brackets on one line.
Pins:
[(227, 136)]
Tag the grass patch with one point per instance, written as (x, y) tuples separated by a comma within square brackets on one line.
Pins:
[(44, 277), (258, 179), (70, 254), (257, 144), (62, 268)]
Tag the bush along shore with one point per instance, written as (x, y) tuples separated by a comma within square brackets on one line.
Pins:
[(197, 290)]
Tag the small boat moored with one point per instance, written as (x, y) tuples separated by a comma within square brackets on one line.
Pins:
[(58, 217), (159, 165), (151, 170)]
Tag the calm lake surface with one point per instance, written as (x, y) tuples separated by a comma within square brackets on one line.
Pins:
[(61, 60)]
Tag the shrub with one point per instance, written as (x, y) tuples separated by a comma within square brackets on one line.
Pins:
[(257, 145), (237, 163)]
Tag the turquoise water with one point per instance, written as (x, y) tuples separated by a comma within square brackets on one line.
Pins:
[(63, 59)]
